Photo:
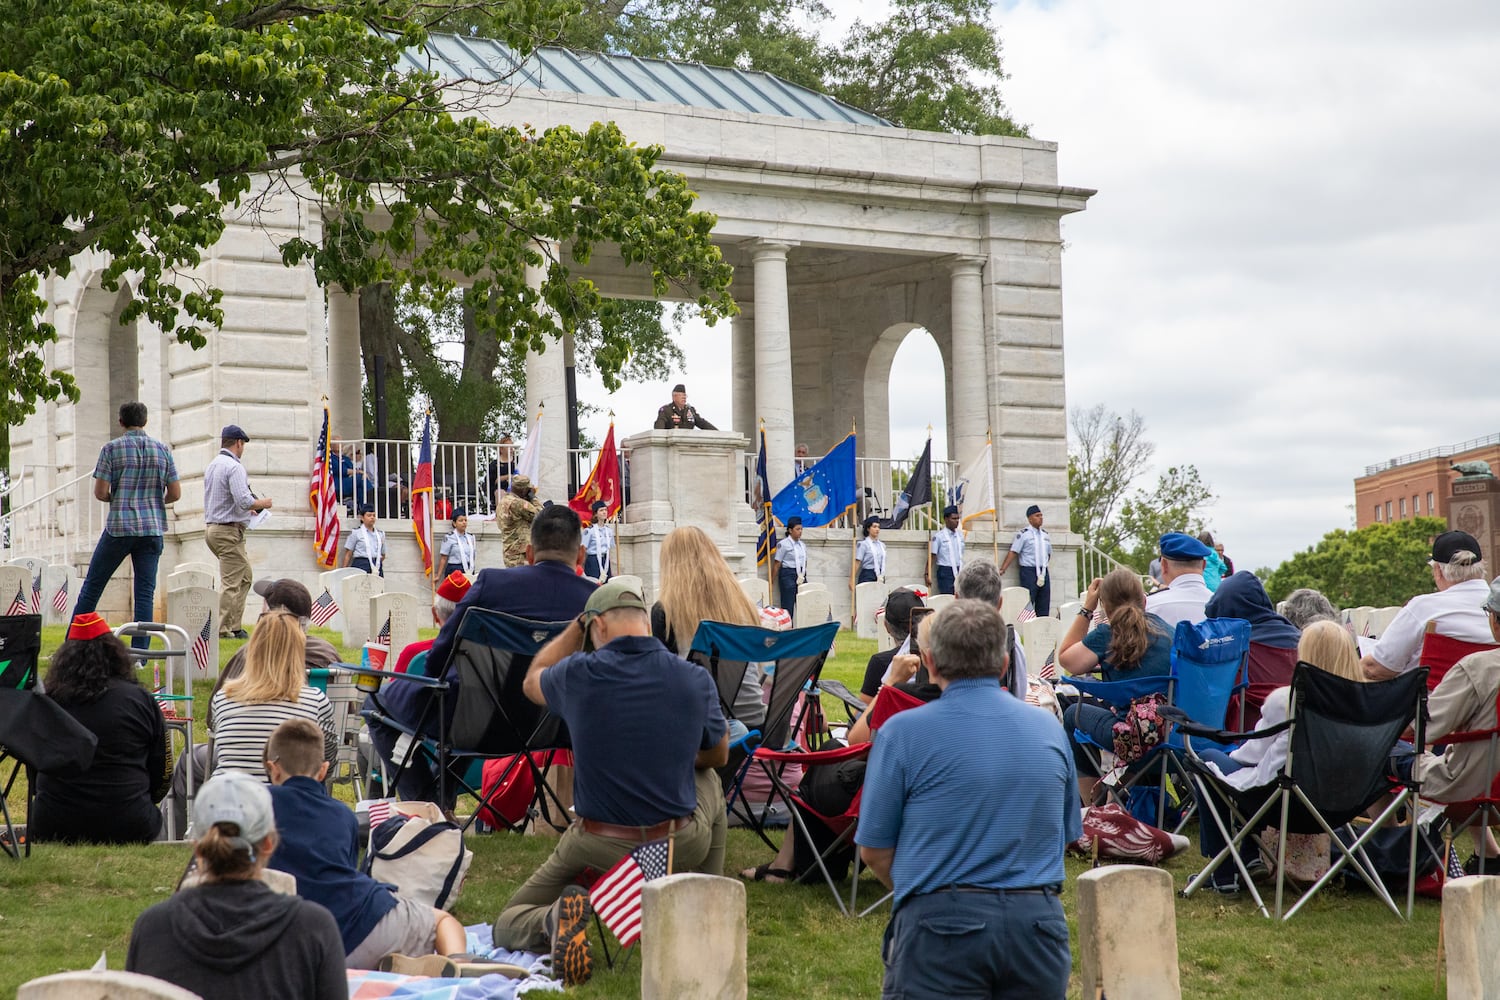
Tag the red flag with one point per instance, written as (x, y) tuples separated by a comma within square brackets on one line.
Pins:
[(421, 497), (603, 483), (320, 490), (616, 897)]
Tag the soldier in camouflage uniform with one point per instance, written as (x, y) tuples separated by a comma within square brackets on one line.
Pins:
[(514, 515)]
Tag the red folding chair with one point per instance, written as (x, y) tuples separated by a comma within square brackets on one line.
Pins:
[(1440, 652), (1484, 809)]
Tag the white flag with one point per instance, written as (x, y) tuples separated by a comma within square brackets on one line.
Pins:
[(978, 484), (529, 464)]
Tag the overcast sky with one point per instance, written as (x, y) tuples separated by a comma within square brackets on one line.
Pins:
[(1290, 266)]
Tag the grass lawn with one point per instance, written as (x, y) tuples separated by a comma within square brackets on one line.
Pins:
[(64, 905)]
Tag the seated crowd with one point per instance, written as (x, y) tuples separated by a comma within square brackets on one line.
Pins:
[(651, 749)]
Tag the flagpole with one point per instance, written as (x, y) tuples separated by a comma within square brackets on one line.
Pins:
[(432, 577), (614, 536), (765, 503), (994, 503), (931, 499), (854, 537)]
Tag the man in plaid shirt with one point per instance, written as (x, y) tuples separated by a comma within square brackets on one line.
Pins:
[(136, 476)]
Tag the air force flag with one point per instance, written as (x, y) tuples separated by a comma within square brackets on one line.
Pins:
[(822, 493)]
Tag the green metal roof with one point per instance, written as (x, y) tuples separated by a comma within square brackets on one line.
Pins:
[(657, 81)]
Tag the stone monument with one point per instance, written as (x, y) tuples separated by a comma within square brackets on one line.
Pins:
[(1474, 505), (195, 610)]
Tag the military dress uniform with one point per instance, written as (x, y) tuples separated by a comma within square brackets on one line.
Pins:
[(674, 417)]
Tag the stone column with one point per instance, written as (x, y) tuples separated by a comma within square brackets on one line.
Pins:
[(346, 407), (742, 352), (970, 417), (773, 359), (547, 389)]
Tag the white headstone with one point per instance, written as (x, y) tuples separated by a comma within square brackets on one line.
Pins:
[(182, 578), (57, 579), (756, 589), (195, 610), (357, 589), (1471, 925), (405, 613), (1067, 611), (104, 984), (212, 569), (1013, 601), (1039, 637), (34, 567), (1360, 619), (938, 602), (813, 607), (868, 598), (693, 938), (1380, 620), (15, 581), (1127, 934), (332, 581)]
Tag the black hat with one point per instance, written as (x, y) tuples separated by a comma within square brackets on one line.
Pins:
[(898, 608), (793, 522), (366, 508), (1033, 509), (870, 522), (1450, 543), (458, 512), (950, 510), (679, 387), (232, 432), (597, 504)]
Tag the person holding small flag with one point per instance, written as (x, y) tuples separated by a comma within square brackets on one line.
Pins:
[(1032, 549), (459, 548), (365, 549), (646, 728), (947, 551)]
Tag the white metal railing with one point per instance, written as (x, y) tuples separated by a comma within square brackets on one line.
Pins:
[(54, 525), (1440, 452), (379, 472), (1094, 563), (880, 482)]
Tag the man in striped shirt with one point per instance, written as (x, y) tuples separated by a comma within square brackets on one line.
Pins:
[(969, 802), (136, 476)]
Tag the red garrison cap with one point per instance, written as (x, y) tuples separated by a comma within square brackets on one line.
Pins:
[(88, 626), (454, 586)]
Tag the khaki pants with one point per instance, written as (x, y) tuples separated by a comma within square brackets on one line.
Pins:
[(227, 543), (698, 847)]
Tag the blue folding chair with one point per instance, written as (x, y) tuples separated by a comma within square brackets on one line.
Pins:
[(1210, 660), (792, 659)]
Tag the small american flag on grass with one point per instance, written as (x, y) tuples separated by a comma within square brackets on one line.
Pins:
[(616, 897), (18, 603), (36, 594), (324, 608), (385, 631), (200, 643), (60, 599)]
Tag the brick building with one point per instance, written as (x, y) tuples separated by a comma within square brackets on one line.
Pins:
[(1416, 485)]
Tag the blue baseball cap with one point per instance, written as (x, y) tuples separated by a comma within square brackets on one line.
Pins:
[(1182, 548)]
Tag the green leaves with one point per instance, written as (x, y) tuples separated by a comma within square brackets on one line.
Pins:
[(1381, 565), (132, 126)]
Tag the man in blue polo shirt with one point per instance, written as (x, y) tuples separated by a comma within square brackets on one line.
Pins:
[(969, 803), (646, 728)]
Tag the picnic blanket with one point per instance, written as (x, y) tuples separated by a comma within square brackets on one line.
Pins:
[(364, 985)]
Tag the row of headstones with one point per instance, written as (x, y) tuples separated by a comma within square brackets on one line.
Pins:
[(39, 587), (1038, 636)]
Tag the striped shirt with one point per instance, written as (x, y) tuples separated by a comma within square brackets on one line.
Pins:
[(138, 469), (241, 729), (976, 788), (226, 491)]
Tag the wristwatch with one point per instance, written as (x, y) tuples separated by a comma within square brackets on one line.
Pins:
[(1085, 613)]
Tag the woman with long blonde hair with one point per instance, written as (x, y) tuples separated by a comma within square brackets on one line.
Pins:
[(697, 585), (272, 689)]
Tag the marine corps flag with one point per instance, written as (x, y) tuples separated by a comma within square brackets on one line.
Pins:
[(421, 498), (603, 483), (822, 493)]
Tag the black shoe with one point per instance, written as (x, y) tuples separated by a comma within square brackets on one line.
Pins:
[(572, 959), (238, 633), (1259, 870)]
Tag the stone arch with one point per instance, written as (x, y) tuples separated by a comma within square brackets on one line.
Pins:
[(877, 386), (106, 363)]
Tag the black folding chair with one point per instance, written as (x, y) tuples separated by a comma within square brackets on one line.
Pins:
[(1337, 768), (36, 733)]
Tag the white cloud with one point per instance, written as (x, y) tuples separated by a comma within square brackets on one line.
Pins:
[(1289, 267)]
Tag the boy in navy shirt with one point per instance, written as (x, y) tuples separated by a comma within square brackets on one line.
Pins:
[(320, 846)]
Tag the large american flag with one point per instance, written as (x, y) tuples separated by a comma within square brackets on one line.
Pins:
[(616, 897), (60, 599), (325, 507), (200, 643), (18, 603)]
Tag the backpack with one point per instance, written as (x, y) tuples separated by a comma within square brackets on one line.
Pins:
[(421, 854)]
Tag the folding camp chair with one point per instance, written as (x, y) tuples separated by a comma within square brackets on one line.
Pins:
[(36, 734), (793, 659), (1440, 652), (1337, 767), (1482, 811), (1209, 660)]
